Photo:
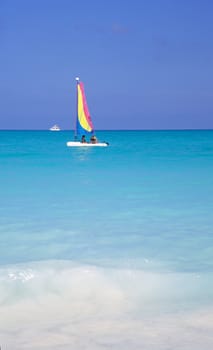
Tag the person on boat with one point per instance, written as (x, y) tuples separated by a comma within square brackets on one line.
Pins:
[(83, 139), (93, 139)]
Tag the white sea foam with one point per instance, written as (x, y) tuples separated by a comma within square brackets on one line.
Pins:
[(59, 305)]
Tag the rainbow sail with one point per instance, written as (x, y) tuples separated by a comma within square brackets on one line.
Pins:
[(84, 124)]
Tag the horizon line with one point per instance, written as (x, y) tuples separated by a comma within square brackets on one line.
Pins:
[(72, 130)]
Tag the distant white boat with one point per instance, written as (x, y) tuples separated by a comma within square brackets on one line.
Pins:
[(83, 125), (55, 128)]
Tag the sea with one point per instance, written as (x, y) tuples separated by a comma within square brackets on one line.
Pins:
[(106, 248)]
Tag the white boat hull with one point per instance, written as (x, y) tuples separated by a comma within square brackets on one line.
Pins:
[(80, 144)]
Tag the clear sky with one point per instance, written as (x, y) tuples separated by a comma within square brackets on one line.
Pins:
[(146, 64)]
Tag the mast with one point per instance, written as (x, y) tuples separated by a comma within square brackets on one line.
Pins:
[(76, 120)]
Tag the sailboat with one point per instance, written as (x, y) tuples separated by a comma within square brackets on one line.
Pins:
[(84, 127)]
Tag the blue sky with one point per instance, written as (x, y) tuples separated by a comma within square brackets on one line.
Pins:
[(145, 64)]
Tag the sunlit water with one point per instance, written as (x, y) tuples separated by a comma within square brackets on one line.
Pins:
[(106, 247)]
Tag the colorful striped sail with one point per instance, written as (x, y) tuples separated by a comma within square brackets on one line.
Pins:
[(84, 123)]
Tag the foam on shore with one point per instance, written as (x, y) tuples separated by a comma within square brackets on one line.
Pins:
[(61, 305)]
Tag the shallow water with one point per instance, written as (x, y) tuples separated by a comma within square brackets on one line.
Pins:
[(106, 248)]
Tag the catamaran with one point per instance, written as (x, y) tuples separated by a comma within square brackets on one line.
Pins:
[(84, 127)]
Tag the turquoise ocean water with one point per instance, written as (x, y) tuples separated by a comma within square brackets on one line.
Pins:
[(106, 247)]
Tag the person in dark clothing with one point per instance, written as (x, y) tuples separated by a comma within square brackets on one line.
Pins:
[(83, 139)]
